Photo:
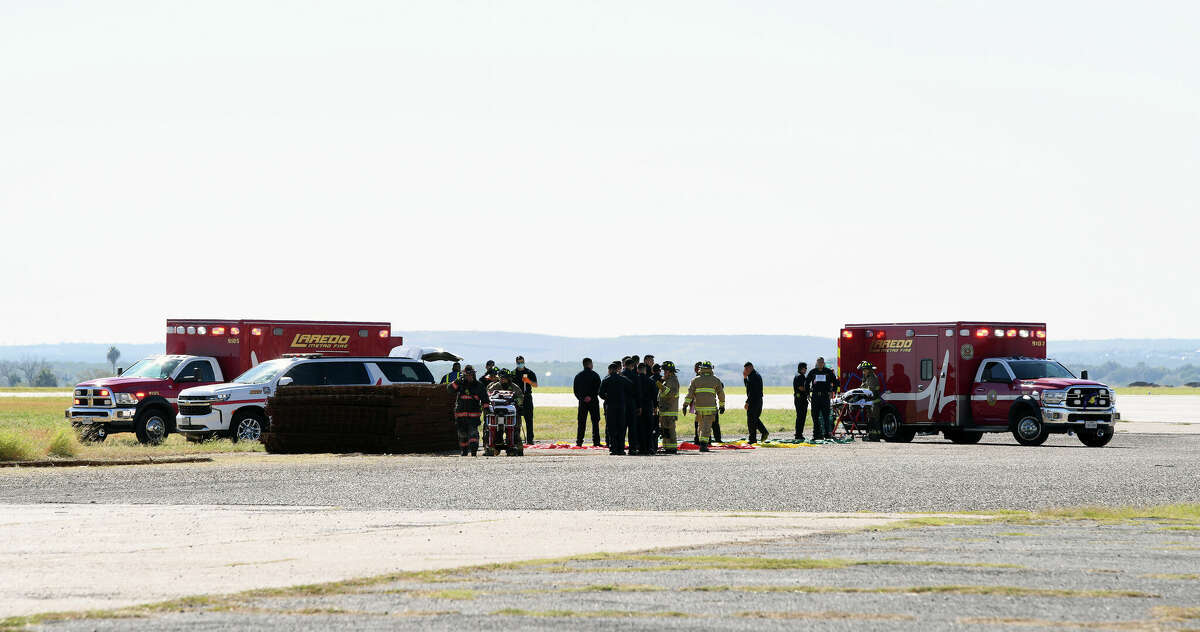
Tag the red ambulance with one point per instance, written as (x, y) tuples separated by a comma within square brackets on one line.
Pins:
[(965, 378), (143, 398)]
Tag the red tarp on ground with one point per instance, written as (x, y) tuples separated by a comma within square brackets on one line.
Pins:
[(686, 445)]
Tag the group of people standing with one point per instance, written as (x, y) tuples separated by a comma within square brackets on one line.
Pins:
[(815, 387), (641, 402)]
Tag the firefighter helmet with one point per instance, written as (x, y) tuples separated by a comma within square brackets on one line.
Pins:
[(864, 365), (706, 366), (669, 366)]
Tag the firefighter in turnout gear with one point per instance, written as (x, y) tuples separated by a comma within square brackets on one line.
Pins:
[(470, 400), (668, 407), (708, 394)]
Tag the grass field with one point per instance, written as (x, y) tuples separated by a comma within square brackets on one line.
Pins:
[(29, 427)]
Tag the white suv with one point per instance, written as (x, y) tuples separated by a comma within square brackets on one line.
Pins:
[(237, 409)]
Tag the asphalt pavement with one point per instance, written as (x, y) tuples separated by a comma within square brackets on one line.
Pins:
[(930, 475)]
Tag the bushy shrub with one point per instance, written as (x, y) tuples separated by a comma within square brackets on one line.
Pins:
[(63, 444), (14, 447)]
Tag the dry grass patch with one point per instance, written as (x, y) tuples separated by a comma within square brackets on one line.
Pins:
[(825, 616), (455, 594), (592, 614), (614, 588), (1178, 576), (14, 447), (1176, 613), (1001, 591), (654, 563), (1075, 625), (63, 444)]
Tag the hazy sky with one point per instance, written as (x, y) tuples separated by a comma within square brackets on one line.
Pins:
[(599, 168)]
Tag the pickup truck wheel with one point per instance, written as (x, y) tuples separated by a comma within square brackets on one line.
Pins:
[(247, 426), (963, 437), (1096, 438), (1029, 430), (892, 430), (150, 426), (93, 433)]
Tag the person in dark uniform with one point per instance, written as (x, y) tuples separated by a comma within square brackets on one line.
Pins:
[(821, 383), (647, 394), (527, 379), (716, 425), (615, 390), (587, 392), (800, 399), (633, 410), (490, 373), (754, 402)]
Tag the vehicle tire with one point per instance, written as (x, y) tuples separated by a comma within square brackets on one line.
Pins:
[(151, 426), (962, 437), (248, 425), (1097, 438), (892, 430), (1029, 429), (92, 433)]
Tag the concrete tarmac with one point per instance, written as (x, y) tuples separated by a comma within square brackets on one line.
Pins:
[(83, 557)]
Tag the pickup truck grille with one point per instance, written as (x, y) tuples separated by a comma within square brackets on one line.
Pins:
[(92, 398), (194, 409), (1087, 398)]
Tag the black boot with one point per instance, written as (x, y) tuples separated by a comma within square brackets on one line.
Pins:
[(704, 446)]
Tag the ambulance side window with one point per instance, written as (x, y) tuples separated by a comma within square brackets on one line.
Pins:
[(200, 368), (995, 372), (926, 370)]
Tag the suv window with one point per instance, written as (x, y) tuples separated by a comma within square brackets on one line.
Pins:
[(405, 372), (995, 372), (201, 368), (306, 374), (329, 374), (345, 373)]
